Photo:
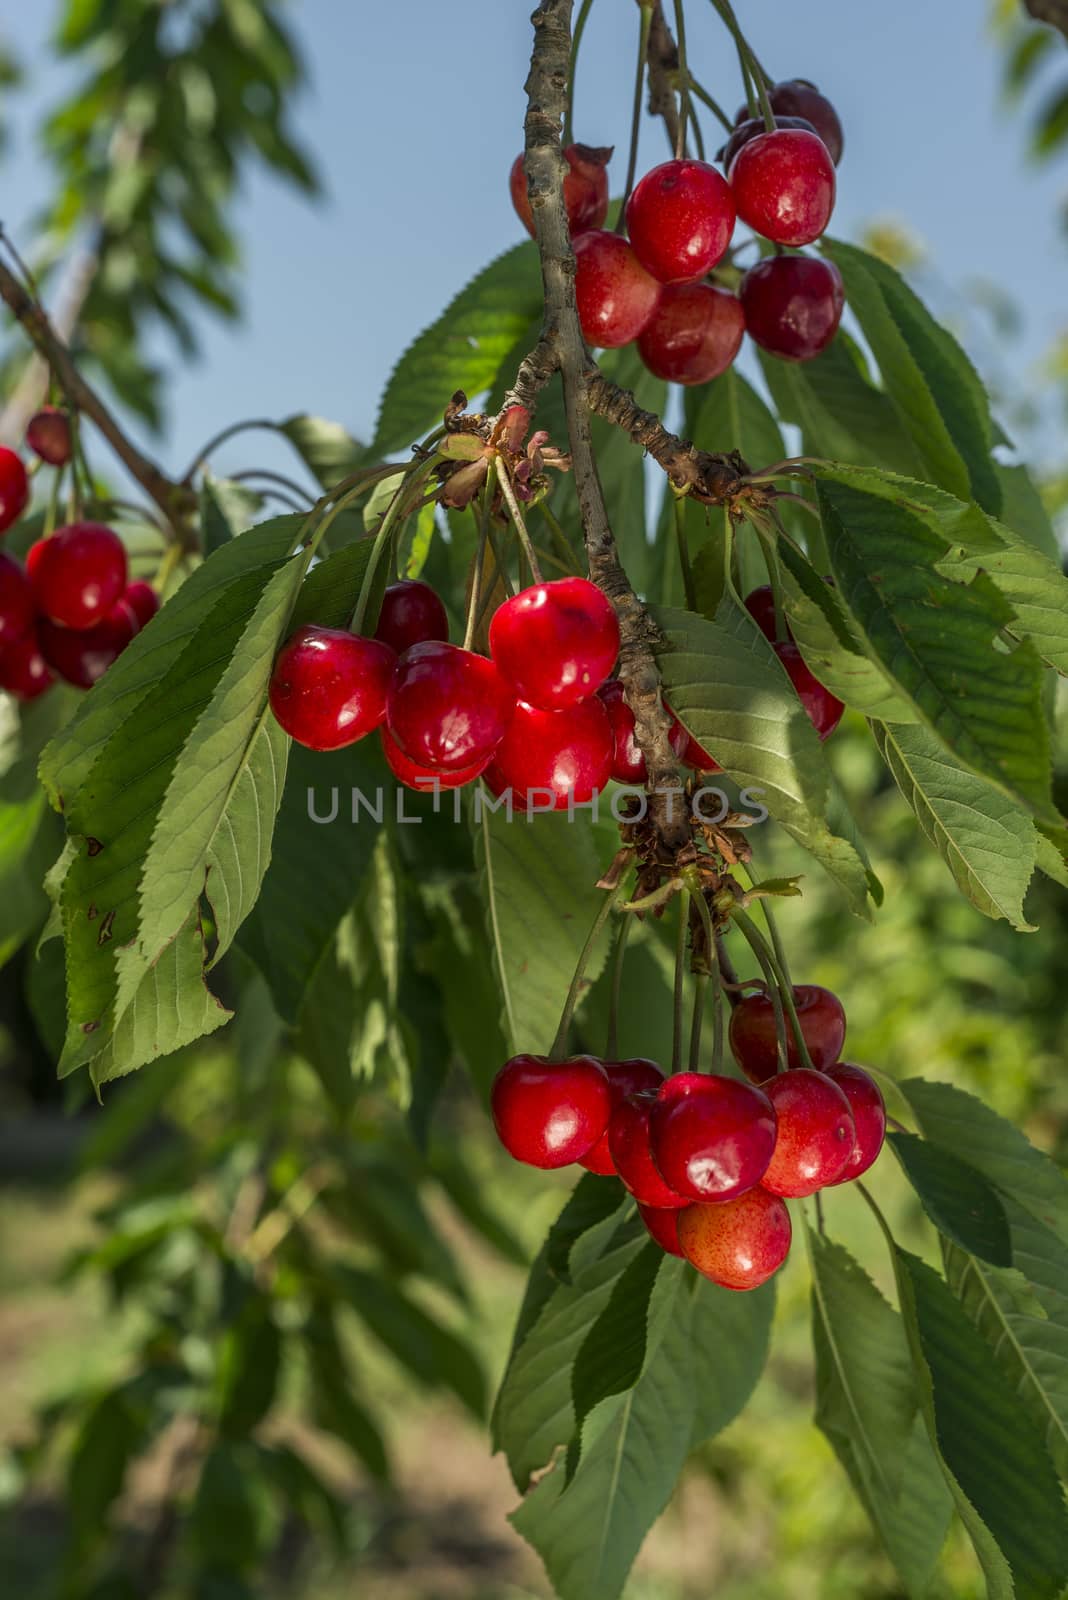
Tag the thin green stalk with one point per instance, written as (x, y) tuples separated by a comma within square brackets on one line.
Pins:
[(718, 1028), (480, 556), (773, 929), (684, 552), (700, 991), (383, 538), (680, 971), (645, 25), (756, 79), (576, 40), (684, 78), (713, 105), (759, 947), (658, 897), (54, 494), (755, 937), (560, 539), (611, 1048), (604, 911), (520, 526)]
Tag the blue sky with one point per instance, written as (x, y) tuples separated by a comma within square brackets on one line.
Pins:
[(415, 109)]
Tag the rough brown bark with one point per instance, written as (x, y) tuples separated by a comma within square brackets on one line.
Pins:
[(1055, 12)]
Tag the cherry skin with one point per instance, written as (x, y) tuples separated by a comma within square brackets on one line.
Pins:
[(14, 488), (631, 1151), (555, 642), (48, 436), (411, 613), (695, 755), (680, 218), (824, 709), (624, 1078), (78, 574), (24, 672), (17, 610), (614, 293), (425, 779), (816, 1133), (143, 601), (738, 1245), (585, 188), (628, 763), (550, 759), (784, 185), (869, 1116), (760, 604), (694, 334), (752, 1031), (550, 1113), (749, 127), (83, 655), (663, 1226), (796, 98), (329, 687), (792, 305), (711, 1136), (448, 708)]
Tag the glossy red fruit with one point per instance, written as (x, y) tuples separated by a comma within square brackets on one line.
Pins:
[(555, 642), (24, 672), (82, 655), (550, 1113), (792, 305), (14, 488), (424, 779), (711, 1136), (411, 613), (143, 601), (760, 604), (797, 98), (78, 574), (624, 1078), (631, 1151), (17, 609), (784, 185), (329, 687), (48, 435), (585, 188), (869, 1116), (448, 708), (614, 293), (749, 128), (628, 763), (816, 1134), (752, 1031), (680, 218), (738, 1245), (549, 759), (663, 1226), (824, 709), (694, 334), (695, 755)]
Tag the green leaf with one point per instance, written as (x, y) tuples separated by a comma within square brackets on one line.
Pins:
[(112, 1432), (432, 1354), (327, 449), (593, 1199), (728, 414), (867, 1405), (730, 1335), (613, 1354), (538, 880), (986, 840), (927, 376), (938, 640), (250, 1357), (959, 1202), (226, 510), (463, 349), (227, 1521), (331, 589)]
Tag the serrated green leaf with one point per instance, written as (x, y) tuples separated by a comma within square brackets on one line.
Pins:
[(958, 1200), (331, 589), (625, 1336), (728, 414), (327, 449), (226, 510), (1032, 582), (868, 1407), (593, 1199), (1051, 853), (986, 840)]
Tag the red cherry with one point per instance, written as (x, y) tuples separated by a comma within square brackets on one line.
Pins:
[(749, 128), (614, 293), (143, 601), (628, 763), (784, 185), (329, 687), (796, 98), (14, 488), (448, 708), (694, 334), (24, 672), (585, 188), (624, 1078), (711, 1137), (549, 759), (752, 1031), (556, 642), (816, 1133), (680, 218), (824, 709), (738, 1245), (663, 1226), (550, 1113), (424, 779), (411, 613), (869, 1116), (78, 574), (17, 609), (792, 305), (760, 604), (82, 655), (48, 435), (629, 1144)]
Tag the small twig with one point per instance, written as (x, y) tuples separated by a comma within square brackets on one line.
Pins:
[(663, 73)]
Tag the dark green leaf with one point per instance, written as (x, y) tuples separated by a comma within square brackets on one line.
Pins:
[(956, 1198), (430, 1352), (249, 1364), (613, 1354), (327, 449)]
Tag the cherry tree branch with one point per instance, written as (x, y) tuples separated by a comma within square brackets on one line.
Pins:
[(546, 90), (1055, 12), (663, 58)]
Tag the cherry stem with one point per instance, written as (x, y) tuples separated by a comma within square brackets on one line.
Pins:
[(262, 423), (383, 538), (728, 977), (684, 552), (700, 992), (256, 474), (819, 1211), (474, 601), (760, 949), (659, 897), (612, 1041), (576, 40), (560, 540), (684, 79), (752, 71), (680, 968), (520, 526), (773, 927), (604, 911), (713, 105), (718, 1029), (748, 926), (646, 7), (52, 512)]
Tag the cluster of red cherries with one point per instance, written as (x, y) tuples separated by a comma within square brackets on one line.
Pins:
[(709, 1159), (70, 611), (680, 218)]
